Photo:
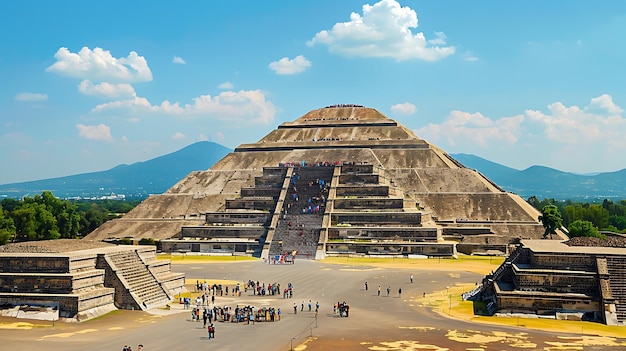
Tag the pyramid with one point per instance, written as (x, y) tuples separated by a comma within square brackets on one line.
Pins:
[(340, 179)]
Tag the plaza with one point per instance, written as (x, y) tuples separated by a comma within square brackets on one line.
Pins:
[(385, 322)]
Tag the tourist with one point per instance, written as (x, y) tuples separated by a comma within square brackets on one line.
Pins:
[(411, 278), (366, 286), (211, 330), (295, 308), (379, 290)]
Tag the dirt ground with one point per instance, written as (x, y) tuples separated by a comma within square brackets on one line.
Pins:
[(427, 314)]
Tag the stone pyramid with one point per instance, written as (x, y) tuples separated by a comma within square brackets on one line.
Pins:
[(453, 204)]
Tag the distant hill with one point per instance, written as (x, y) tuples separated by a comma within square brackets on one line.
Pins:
[(155, 176), (545, 182), (137, 180)]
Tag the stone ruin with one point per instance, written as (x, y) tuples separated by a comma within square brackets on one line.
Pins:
[(575, 280), (364, 185), (76, 280)]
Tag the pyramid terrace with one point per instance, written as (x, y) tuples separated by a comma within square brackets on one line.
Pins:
[(340, 180)]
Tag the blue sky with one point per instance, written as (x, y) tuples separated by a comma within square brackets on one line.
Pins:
[(85, 86)]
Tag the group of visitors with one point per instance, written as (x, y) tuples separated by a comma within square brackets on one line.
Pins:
[(310, 307), (261, 289), (342, 308), (247, 314)]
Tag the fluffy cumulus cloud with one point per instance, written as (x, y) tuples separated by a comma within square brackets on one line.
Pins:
[(99, 65), (106, 90), (244, 105), (600, 122), (464, 128), (406, 108), (226, 86), (287, 66), (384, 30), (569, 138), (99, 132), (31, 97)]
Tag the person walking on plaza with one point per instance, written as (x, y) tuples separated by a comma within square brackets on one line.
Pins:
[(379, 290), (411, 278), (211, 330), (295, 308), (399, 292), (388, 290), (365, 286)]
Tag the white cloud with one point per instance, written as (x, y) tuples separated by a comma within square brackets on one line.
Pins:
[(287, 66), (179, 60), (99, 132), (406, 108), (244, 105), (106, 90), (226, 86), (384, 30), (179, 136), (439, 40), (473, 129), (31, 97), (600, 122), (202, 137), (604, 102), (99, 65), (569, 138)]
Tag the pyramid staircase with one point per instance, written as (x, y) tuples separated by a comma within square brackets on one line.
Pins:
[(298, 228), (136, 287), (617, 274)]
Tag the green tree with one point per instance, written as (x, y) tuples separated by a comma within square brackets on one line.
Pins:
[(583, 228), (551, 219), (7, 228), (24, 219), (618, 222), (34, 222), (92, 219)]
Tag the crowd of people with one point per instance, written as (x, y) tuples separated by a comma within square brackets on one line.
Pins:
[(342, 308)]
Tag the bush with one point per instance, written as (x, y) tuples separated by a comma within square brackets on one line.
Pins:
[(146, 241), (583, 228)]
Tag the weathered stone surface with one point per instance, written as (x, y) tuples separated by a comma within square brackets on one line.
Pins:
[(416, 176), (52, 246)]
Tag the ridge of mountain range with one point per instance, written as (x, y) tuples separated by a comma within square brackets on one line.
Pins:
[(155, 176)]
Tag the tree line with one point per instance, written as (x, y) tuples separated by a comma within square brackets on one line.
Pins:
[(44, 217), (584, 219)]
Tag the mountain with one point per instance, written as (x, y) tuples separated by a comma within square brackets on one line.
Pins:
[(546, 182), (155, 176), (137, 180)]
